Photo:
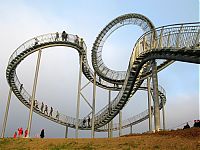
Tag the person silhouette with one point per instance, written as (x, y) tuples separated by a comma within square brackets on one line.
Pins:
[(36, 41), (51, 111), (57, 36), (46, 110), (42, 107), (88, 121), (76, 40), (84, 121), (15, 135), (42, 133), (57, 115), (187, 126), (64, 36), (20, 89), (81, 42), (26, 133)]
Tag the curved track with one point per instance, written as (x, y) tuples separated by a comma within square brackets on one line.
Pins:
[(170, 43), (116, 77)]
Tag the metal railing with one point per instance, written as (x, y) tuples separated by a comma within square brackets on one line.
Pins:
[(42, 39), (127, 19), (173, 37)]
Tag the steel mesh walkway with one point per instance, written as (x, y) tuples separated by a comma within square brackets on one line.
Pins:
[(178, 42)]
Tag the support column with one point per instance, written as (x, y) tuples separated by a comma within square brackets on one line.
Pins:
[(111, 130), (93, 105), (78, 96), (109, 124), (34, 92), (149, 104), (66, 131), (163, 113), (131, 129), (120, 123), (155, 96), (6, 113), (108, 130)]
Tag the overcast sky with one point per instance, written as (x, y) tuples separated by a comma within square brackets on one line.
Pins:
[(57, 86)]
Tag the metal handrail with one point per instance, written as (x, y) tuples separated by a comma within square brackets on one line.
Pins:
[(176, 37), (135, 19), (135, 53)]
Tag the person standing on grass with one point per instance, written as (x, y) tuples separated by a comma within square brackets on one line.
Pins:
[(15, 135), (18, 132), (42, 134), (187, 126), (26, 133), (21, 131)]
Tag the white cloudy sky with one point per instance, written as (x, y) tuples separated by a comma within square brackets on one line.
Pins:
[(22, 20)]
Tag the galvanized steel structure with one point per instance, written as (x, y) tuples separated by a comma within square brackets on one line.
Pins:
[(154, 50)]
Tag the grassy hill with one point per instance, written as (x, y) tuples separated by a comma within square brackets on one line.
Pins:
[(188, 139)]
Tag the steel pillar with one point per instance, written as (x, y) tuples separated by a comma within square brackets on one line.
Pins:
[(6, 113), (66, 131), (109, 124), (109, 100), (163, 113), (34, 92), (93, 105), (131, 129), (155, 96), (149, 104), (78, 95), (111, 131), (120, 123)]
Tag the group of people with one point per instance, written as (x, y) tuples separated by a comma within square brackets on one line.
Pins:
[(79, 42), (44, 109), (196, 124), (84, 122), (35, 103), (64, 37), (19, 133)]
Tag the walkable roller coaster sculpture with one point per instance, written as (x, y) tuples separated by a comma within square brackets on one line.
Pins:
[(156, 49)]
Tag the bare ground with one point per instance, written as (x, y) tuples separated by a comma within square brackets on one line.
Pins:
[(180, 139)]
